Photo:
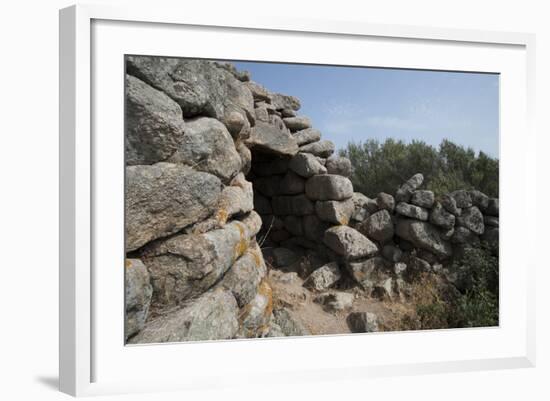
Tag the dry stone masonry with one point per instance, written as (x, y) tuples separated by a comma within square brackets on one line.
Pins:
[(224, 180)]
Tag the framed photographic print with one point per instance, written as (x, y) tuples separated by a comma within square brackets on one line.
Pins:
[(322, 200)]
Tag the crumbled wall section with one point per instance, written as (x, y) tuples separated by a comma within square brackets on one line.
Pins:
[(222, 173)]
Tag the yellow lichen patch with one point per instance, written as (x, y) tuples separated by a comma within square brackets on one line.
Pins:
[(344, 221), (222, 215), (242, 245), (265, 289), (128, 263), (257, 255)]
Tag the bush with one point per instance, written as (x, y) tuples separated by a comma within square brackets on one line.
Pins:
[(383, 167)]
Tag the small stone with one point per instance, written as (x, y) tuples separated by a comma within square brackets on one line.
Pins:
[(338, 212), (306, 165), (324, 277), (289, 325), (297, 123), (339, 165), (412, 211), (441, 217), (348, 242), (462, 198), (363, 322), (463, 235), (385, 201), (449, 203), (404, 192), (423, 198), (335, 301), (321, 148), (306, 136), (479, 199)]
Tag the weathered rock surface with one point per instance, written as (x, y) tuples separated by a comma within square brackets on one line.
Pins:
[(321, 148), (255, 317), (480, 200), (329, 187), (138, 292), (472, 219), (337, 212), (305, 136), (324, 277), (385, 201), (154, 124), (285, 102), (207, 146), (267, 138), (163, 198), (288, 324), (349, 243), (297, 123), (372, 274), (462, 198), (212, 316), (441, 217), (449, 203), (363, 322), (423, 235), (404, 192), (339, 166), (306, 165), (378, 226), (412, 211), (423, 198)]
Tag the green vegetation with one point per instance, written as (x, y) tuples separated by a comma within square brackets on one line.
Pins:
[(382, 167)]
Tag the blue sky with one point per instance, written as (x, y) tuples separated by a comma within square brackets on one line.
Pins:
[(354, 104)]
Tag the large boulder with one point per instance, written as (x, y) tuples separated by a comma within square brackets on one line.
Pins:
[(305, 136), (339, 166), (164, 198), (441, 217), (349, 243), (338, 212), (212, 316), (200, 87), (412, 211), (138, 291), (297, 123), (269, 139), (378, 226), (306, 165), (404, 192), (154, 124), (324, 277), (472, 218), (329, 187), (207, 146), (321, 148), (423, 235), (245, 276), (185, 266)]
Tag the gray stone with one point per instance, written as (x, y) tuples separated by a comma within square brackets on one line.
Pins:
[(289, 325), (293, 224), (246, 157), (335, 301), (339, 165), (349, 243), (281, 102), (423, 198), (212, 316), (185, 266), (237, 125), (259, 93), (378, 226), (463, 235), (423, 235), (361, 204), (392, 253), (492, 207), (261, 114), (479, 199), (338, 212), (385, 201), (276, 121), (399, 268), (321, 148), (298, 205), (329, 187), (269, 139), (288, 113), (372, 274), (306, 165), (207, 146), (491, 221), (462, 198), (236, 199), (324, 277), (154, 124), (138, 290), (362, 322), (255, 317), (412, 211), (164, 198), (297, 123), (291, 184), (245, 275), (449, 203), (198, 86), (472, 219), (441, 217), (404, 192), (305, 136)]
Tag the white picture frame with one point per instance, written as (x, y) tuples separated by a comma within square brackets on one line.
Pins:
[(88, 366)]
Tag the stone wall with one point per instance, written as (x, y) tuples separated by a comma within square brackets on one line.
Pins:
[(222, 173)]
